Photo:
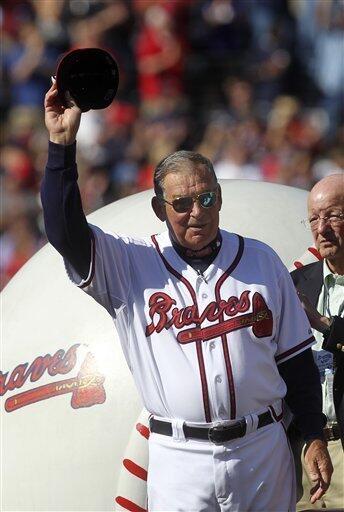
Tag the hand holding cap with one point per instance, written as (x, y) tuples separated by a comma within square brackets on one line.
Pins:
[(90, 76)]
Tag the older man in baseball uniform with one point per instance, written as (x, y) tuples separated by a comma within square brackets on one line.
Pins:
[(212, 331)]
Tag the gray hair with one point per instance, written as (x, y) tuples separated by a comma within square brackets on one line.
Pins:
[(178, 162)]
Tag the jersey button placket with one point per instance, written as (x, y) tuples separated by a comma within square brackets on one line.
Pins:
[(220, 394), (205, 298), (200, 283)]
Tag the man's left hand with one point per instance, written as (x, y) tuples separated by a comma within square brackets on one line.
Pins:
[(319, 467)]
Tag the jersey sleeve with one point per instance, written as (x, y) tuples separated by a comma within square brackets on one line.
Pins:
[(65, 223), (293, 333), (109, 276)]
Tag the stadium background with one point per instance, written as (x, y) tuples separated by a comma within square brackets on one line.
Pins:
[(255, 85)]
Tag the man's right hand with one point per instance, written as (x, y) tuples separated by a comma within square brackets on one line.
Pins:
[(62, 122)]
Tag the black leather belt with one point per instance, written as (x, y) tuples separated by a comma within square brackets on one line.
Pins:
[(332, 432), (217, 435)]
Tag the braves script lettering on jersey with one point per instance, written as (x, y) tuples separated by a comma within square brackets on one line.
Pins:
[(202, 349)]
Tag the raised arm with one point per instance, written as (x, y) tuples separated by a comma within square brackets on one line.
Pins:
[(65, 223)]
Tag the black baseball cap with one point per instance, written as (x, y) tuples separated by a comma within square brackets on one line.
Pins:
[(91, 77)]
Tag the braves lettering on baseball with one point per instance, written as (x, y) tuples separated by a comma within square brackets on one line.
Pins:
[(60, 363), (86, 388)]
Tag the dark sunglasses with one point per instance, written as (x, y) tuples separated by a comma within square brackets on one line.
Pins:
[(185, 204)]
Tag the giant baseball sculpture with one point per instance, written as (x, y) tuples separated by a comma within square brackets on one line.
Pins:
[(72, 438)]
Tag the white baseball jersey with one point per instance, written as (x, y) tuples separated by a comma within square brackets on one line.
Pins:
[(201, 348)]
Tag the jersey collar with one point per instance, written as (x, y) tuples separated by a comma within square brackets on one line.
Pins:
[(226, 255)]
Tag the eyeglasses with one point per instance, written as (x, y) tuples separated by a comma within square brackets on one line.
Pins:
[(185, 204), (335, 219)]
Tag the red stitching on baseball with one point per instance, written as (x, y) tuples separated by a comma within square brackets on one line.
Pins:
[(143, 430), (135, 469), (315, 252), (129, 505)]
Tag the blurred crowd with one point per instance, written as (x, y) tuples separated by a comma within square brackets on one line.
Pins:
[(255, 85)]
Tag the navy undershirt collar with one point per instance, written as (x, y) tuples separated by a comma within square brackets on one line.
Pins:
[(200, 264)]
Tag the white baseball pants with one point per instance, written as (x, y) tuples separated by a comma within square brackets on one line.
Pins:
[(253, 473)]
